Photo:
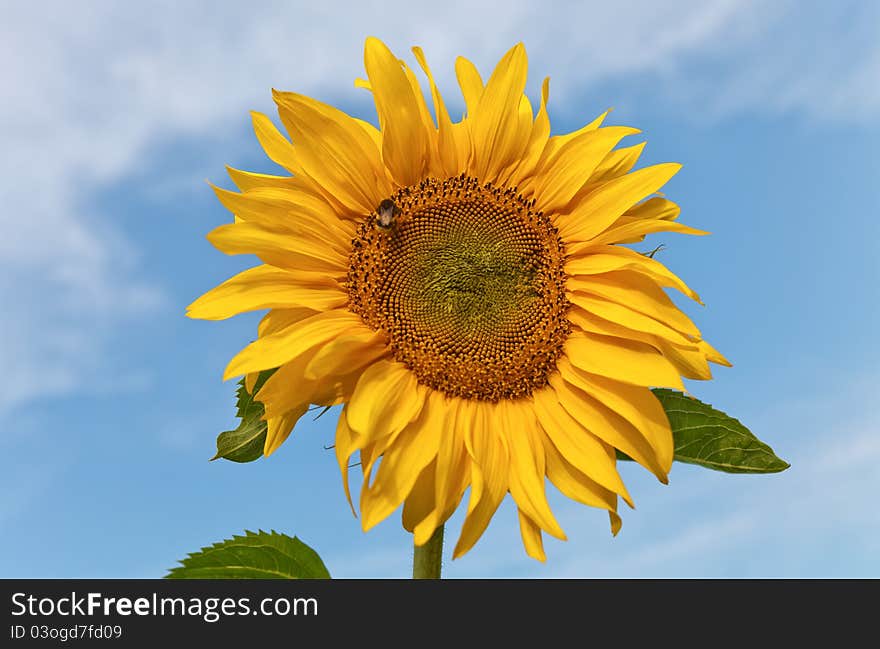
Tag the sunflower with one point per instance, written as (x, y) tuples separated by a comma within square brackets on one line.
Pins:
[(461, 288)]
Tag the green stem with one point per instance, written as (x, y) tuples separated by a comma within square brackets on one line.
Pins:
[(428, 558)]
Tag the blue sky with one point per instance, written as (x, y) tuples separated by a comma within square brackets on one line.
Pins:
[(114, 118)]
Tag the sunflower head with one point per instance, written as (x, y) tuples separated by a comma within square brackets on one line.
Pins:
[(462, 288)]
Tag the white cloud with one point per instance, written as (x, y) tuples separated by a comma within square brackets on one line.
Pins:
[(821, 60), (88, 87)]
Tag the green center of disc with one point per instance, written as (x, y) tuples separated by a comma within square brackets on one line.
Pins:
[(474, 281)]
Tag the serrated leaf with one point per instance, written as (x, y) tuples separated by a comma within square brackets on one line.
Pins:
[(245, 443), (256, 555), (713, 439)]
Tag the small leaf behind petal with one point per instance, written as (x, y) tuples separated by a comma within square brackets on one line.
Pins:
[(245, 443)]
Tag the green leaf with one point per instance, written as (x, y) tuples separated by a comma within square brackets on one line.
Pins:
[(260, 555), (711, 438), (245, 443)]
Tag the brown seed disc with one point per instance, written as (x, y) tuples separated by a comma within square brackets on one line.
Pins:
[(468, 284)]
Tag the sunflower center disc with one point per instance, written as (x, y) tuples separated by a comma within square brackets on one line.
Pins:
[(468, 283)]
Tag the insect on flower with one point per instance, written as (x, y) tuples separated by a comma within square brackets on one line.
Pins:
[(386, 214)]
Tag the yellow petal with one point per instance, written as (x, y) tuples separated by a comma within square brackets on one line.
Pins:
[(381, 438), (374, 134), (464, 144), (471, 84), (268, 214), (638, 293), (617, 163), (335, 367), (517, 419), (286, 390), (250, 381), (405, 143), (558, 141), (372, 449), (278, 319), (575, 485), (334, 389), (368, 456), (499, 135), (385, 399), (531, 536), (277, 147), (278, 348), (656, 208), (524, 127), (586, 321), (611, 258), (689, 360), (284, 251), (616, 523), (636, 404), (576, 444), (246, 180), (278, 429), (267, 287), (312, 217), (447, 148), (281, 151), (685, 356), (624, 360), (607, 425), (420, 502), (590, 308), (334, 151), (713, 355), (489, 469), (346, 353), (290, 211), (590, 323), (555, 143), (401, 464), (573, 165), (424, 113), (630, 231), (453, 459), (540, 132), (432, 158), (453, 471), (344, 448), (602, 207), (300, 205)]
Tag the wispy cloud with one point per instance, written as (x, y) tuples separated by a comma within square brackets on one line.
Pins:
[(88, 88), (817, 60)]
